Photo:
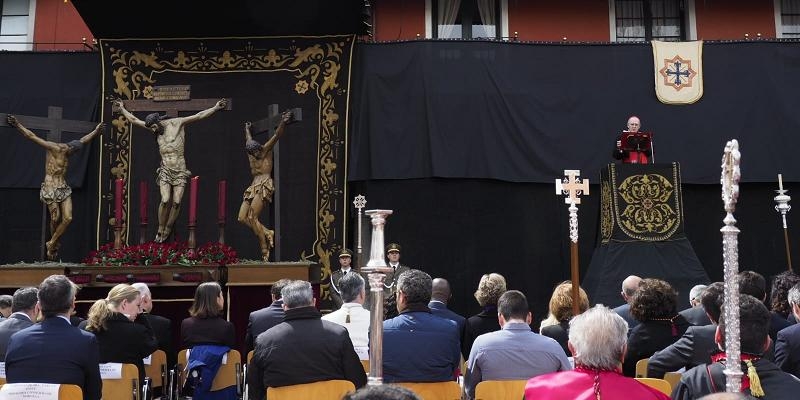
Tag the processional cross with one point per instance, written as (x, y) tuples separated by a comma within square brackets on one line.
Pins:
[(730, 254), (573, 187), (54, 125), (268, 125)]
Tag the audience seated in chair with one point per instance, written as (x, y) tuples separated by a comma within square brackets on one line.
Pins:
[(695, 313), (660, 325), (696, 345), (755, 285), (556, 325), (490, 287), (772, 383), (440, 296), (54, 351), (207, 324), (267, 317), (162, 327), (513, 352), (123, 337), (629, 286), (417, 345), (787, 348), (598, 340), (24, 308), (303, 348), (352, 315)]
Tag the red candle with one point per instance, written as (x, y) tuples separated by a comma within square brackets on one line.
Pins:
[(118, 202), (193, 201), (143, 201), (221, 202)]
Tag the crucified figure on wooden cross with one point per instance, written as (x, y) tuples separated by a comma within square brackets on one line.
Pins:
[(172, 173), (55, 192), (260, 191)]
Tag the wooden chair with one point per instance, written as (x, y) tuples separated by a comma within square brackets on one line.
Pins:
[(250, 356), (365, 364), (127, 387), (657, 384), (500, 390), (641, 368), (673, 378), (65, 392), (448, 390), (322, 390), (157, 369), (229, 373)]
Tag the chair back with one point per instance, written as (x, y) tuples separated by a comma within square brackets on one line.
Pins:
[(229, 373), (673, 378), (657, 384), (448, 390), (641, 368), (3, 370), (322, 390), (65, 392), (500, 390), (157, 368), (250, 356), (123, 388), (365, 364)]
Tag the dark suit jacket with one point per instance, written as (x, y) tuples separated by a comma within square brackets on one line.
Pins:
[(54, 351), (696, 316), (9, 326), (476, 325), (787, 350), (777, 323), (692, 349), (125, 341), (624, 311), (440, 309), (261, 320), (216, 330), (162, 328), (649, 337), (560, 333)]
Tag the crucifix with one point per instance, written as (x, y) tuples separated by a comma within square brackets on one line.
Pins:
[(262, 159), (55, 125), (573, 187)]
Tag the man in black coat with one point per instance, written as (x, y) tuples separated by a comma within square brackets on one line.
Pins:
[(696, 345), (24, 308), (162, 327), (267, 317), (787, 347), (754, 339), (303, 348), (440, 295), (54, 351)]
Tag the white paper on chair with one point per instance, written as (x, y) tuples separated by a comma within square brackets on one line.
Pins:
[(111, 371), (363, 352), (148, 360), (2, 370), (29, 391)]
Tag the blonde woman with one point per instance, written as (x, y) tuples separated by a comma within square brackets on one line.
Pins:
[(123, 337), (556, 325), (490, 288)]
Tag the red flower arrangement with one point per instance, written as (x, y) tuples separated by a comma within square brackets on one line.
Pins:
[(152, 253)]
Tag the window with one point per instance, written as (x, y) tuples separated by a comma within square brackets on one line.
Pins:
[(466, 19), (645, 20), (788, 19), (15, 24)]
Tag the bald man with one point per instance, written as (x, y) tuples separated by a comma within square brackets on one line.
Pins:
[(629, 287), (439, 297)]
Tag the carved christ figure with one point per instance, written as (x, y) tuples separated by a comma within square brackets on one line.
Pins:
[(260, 191), (171, 175), (55, 192)]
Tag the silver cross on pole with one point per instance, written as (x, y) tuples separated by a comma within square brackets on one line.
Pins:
[(573, 187), (359, 202), (730, 254), (783, 207)]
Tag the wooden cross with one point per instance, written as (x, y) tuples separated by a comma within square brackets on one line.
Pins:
[(173, 107), (54, 125), (572, 187), (268, 125)]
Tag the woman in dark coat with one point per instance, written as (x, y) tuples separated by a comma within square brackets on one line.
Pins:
[(490, 288), (206, 324), (123, 338)]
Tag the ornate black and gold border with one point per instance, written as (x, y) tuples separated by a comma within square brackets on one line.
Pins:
[(321, 66)]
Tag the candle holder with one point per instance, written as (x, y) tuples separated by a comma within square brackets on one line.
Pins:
[(376, 269), (782, 206), (117, 234)]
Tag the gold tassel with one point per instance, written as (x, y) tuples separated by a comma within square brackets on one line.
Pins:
[(755, 383)]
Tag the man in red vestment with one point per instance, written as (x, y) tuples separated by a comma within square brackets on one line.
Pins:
[(627, 155), (598, 340)]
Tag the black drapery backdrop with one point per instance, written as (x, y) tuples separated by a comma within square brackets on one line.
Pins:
[(525, 112), (30, 83)]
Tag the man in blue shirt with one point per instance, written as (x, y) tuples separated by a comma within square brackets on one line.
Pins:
[(514, 352)]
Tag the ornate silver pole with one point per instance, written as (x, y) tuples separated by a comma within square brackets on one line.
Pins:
[(783, 207), (359, 202), (573, 187), (730, 252), (377, 269)]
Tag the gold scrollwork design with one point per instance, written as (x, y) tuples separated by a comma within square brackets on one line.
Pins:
[(646, 210), (606, 212)]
